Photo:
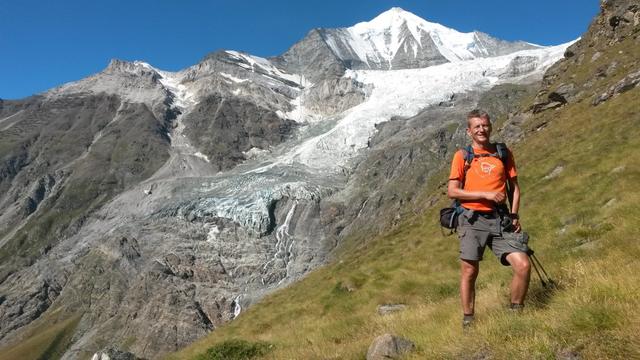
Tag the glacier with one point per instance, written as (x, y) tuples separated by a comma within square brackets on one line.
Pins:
[(314, 166)]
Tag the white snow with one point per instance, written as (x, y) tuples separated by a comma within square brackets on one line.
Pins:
[(233, 78), (236, 306), (267, 67), (254, 152), (381, 38), (404, 93), (213, 233), (201, 156), (184, 98)]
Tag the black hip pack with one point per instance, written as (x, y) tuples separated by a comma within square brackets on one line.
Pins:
[(449, 215)]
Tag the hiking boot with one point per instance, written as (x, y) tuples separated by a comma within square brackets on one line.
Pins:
[(516, 308), (467, 321)]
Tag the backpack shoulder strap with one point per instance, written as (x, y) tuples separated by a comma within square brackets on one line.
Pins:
[(468, 155), (503, 152)]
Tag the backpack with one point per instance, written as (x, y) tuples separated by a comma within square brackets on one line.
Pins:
[(449, 215)]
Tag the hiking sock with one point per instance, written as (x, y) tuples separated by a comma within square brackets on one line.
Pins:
[(516, 307)]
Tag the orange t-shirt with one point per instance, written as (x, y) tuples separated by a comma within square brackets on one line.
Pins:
[(487, 173)]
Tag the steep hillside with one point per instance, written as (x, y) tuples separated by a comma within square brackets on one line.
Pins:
[(576, 146)]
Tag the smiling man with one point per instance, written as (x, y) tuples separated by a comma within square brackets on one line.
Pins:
[(479, 180)]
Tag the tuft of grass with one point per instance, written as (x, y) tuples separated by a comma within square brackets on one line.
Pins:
[(235, 350), (594, 317)]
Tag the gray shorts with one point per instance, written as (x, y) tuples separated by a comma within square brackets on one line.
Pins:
[(476, 231)]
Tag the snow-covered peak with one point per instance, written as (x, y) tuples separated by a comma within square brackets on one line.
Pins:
[(395, 18), (398, 39), (388, 31)]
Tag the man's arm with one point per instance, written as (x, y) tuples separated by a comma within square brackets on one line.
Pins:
[(455, 192), (515, 204)]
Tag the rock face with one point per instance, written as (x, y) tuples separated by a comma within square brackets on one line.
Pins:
[(626, 84), (155, 206), (589, 69), (224, 128), (313, 57), (334, 95), (617, 21), (65, 156)]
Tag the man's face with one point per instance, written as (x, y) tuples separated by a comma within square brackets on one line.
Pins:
[(479, 129)]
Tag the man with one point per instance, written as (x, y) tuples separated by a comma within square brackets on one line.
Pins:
[(482, 193)]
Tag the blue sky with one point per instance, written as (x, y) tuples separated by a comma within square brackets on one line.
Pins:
[(44, 44)]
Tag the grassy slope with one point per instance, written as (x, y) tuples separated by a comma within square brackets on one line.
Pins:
[(48, 342), (583, 224)]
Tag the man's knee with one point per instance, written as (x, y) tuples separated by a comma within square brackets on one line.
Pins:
[(470, 269), (520, 263)]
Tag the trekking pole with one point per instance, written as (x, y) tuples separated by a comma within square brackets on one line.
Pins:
[(535, 267), (544, 284), (535, 260)]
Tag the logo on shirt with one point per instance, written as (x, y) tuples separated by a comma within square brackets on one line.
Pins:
[(487, 167)]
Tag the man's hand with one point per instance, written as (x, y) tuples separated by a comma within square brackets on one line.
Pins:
[(497, 197), (516, 225)]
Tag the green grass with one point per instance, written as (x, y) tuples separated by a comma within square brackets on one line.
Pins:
[(47, 342), (235, 350)]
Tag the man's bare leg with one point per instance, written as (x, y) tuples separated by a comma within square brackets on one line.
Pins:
[(469, 274), (521, 273)]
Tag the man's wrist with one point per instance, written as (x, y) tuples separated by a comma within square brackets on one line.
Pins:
[(514, 216)]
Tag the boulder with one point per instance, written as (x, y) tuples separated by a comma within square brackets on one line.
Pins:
[(563, 94), (389, 346), (113, 354), (568, 354)]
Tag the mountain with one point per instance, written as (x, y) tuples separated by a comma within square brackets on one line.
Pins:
[(143, 209), (395, 39), (575, 138)]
